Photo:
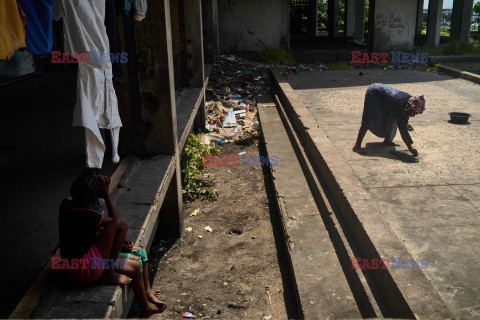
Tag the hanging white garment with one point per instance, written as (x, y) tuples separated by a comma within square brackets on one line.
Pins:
[(97, 106), (83, 23)]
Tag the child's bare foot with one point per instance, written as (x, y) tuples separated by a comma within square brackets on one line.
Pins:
[(150, 311), (157, 293), (152, 298), (113, 277), (359, 150)]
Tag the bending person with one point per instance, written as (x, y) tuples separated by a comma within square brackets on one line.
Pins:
[(386, 109)]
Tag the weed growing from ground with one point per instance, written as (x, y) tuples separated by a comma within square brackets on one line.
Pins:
[(193, 184)]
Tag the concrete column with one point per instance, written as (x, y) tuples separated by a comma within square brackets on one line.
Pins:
[(215, 33), (332, 18), (418, 29), (178, 44), (434, 22), (285, 24), (152, 90), (194, 42), (155, 79), (461, 19), (359, 32), (207, 31), (210, 29), (194, 50), (349, 18)]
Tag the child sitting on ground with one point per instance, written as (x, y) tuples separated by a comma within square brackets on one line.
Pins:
[(79, 220)]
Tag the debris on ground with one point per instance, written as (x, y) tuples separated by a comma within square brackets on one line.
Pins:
[(231, 104), (189, 315), (202, 271)]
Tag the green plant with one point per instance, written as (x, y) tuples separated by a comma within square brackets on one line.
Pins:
[(366, 14), (445, 31), (469, 47), (275, 55), (433, 68), (192, 166)]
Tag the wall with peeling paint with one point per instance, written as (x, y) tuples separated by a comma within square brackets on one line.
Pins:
[(394, 23), (249, 25)]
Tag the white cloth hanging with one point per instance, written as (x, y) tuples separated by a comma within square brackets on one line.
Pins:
[(97, 105)]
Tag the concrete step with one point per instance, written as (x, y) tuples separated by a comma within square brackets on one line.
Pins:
[(367, 304), (322, 289)]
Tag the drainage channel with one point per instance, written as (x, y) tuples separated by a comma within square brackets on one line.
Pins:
[(370, 303)]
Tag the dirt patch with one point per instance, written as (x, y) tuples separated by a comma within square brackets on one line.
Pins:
[(234, 263)]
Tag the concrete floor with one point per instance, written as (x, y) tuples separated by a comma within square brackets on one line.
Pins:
[(40, 155), (433, 205)]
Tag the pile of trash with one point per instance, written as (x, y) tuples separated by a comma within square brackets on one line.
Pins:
[(231, 108)]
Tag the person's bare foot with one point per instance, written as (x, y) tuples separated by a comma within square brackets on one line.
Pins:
[(150, 311), (157, 293), (113, 277), (152, 298), (359, 150)]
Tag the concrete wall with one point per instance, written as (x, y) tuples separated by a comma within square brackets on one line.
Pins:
[(394, 22), (247, 25)]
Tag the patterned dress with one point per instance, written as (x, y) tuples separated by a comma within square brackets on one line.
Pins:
[(382, 103)]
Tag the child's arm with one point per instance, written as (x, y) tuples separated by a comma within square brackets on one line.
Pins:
[(105, 184)]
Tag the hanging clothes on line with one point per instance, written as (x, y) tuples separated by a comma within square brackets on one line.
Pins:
[(140, 8), (12, 29), (39, 14), (97, 106)]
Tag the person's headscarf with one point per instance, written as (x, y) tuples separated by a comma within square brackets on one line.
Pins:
[(416, 104)]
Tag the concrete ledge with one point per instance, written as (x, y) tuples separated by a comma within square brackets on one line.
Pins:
[(460, 74), (440, 59), (188, 104), (322, 289), (408, 293)]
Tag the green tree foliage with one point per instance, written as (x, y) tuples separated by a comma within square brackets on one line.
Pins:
[(476, 9), (323, 14)]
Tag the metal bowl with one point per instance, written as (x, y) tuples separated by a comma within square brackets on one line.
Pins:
[(459, 117)]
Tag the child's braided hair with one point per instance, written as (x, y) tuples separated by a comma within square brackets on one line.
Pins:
[(86, 187)]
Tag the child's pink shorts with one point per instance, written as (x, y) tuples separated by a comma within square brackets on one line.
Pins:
[(89, 270)]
